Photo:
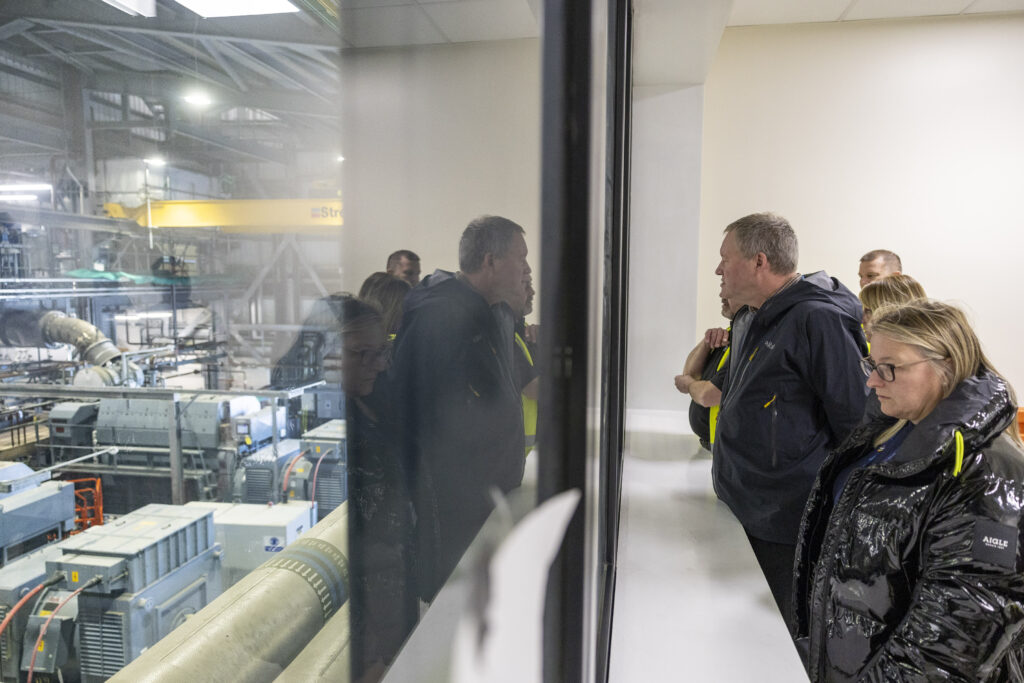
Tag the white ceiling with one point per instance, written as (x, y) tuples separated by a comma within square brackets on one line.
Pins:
[(754, 12)]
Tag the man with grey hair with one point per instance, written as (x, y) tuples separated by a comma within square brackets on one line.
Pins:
[(453, 387), (878, 263), (794, 388)]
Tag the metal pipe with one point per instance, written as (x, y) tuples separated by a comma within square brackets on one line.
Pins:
[(175, 459), (255, 629), (48, 328)]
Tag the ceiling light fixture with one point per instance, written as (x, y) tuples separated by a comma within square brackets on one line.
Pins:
[(198, 99), (237, 8), (26, 187), (18, 198), (340, 158), (155, 161), (145, 8)]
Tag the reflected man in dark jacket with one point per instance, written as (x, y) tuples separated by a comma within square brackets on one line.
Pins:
[(453, 385), (794, 387)]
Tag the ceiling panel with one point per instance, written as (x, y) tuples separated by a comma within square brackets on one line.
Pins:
[(891, 9), (979, 6), (468, 20), (359, 4), (754, 12), (389, 26)]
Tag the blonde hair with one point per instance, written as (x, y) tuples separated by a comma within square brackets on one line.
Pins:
[(891, 289), (942, 335)]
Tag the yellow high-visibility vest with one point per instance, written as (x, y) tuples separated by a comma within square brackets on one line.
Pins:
[(529, 404), (713, 411)]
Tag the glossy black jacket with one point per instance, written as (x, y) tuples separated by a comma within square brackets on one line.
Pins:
[(914, 574)]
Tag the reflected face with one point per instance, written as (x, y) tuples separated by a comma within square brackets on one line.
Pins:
[(364, 356), (738, 274), (407, 270), (916, 387), (873, 270), (530, 293), (511, 275)]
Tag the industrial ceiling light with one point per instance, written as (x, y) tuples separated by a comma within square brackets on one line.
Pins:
[(155, 161), (26, 187), (237, 8), (340, 158), (198, 99), (18, 198), (145, 8)]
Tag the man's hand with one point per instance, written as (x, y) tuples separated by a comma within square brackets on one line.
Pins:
[(716, 337), (683, 383), (532, 333)]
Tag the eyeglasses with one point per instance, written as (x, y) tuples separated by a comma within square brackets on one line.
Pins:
[(373, 355), (886, 371)]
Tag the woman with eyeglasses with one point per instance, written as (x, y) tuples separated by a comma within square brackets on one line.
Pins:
[(909, 562)]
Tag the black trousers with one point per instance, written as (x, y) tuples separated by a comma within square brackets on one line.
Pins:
[(776, 560)]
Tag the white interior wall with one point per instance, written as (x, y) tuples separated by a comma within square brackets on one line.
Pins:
[(904, 135), (664, 221), (433, 137)]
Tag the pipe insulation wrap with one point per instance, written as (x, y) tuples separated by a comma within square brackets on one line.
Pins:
[(49, 328), (254, 630)]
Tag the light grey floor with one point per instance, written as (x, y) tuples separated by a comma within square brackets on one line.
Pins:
[(690, 603)]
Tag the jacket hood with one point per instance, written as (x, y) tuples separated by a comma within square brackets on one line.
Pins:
[(813, 287), (446, 283), (980, 407)]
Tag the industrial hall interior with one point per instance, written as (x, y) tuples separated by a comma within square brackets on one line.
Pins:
[(354, 340)]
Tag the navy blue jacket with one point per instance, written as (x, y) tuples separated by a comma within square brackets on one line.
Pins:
[(793, 392), (459, 414)]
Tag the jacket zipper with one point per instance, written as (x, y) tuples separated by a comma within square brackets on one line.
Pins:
[(775, 415)]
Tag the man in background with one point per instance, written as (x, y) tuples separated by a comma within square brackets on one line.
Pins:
[(405, 265), (878, 263)]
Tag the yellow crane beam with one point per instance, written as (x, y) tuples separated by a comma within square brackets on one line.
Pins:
[(266, 216)]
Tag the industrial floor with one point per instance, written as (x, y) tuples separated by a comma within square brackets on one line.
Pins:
[(690, 602)]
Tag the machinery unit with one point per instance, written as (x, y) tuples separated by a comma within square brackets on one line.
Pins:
[(324, 403), (131, 422), (157, 566), (251, 534), (259, 478), (71, 428), (31, 508), (254, 430), (324, 478), (145, 574), (16, 580)]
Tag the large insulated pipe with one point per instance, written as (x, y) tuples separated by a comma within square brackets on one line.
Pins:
[(327, 658), (256, 628), (46, 328)]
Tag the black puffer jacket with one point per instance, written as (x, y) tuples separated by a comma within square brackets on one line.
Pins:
[(914, 574)]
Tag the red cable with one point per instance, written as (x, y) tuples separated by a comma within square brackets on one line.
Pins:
[(17, 606), (316, 470), (42, 631), (288, 472)]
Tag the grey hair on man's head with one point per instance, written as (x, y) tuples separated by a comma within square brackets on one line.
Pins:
[(768, 234), (485, 235)]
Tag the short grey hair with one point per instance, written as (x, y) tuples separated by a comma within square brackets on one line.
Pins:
[(486, 235), (769, 234)]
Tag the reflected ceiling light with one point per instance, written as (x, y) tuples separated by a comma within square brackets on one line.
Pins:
[(18, 198), (198, 99), (146, 8), (340, 158), (26, 187), (237, 8), (155, 161)]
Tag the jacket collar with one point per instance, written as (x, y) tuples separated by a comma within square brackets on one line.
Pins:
[(980, 407)]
